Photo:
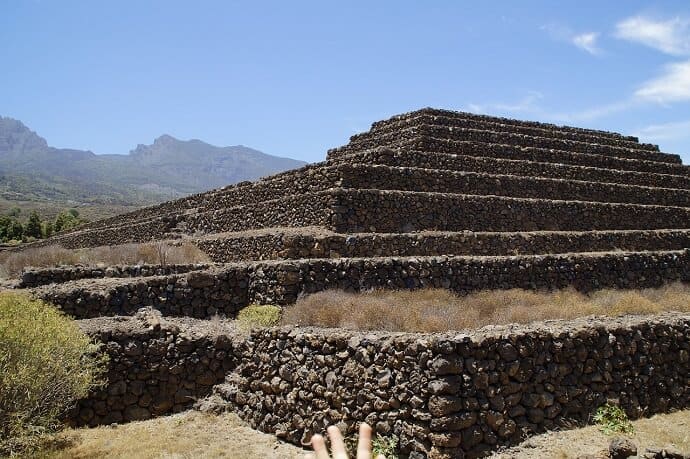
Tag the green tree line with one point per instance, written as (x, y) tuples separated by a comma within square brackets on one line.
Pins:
[(13, 230)]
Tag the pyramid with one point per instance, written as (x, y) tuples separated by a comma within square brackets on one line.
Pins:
[(433, 183), (430, 198)]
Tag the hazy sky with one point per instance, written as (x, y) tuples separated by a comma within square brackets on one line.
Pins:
[(294, 78)]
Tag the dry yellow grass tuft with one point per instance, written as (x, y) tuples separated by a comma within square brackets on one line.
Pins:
[(436, 310), (12, 263)]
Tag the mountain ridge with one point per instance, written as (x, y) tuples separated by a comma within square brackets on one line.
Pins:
[(31, 169)]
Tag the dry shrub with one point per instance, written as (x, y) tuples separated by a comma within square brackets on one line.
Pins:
[(13, 263), (46, 364), (258, 315), (436, 310)]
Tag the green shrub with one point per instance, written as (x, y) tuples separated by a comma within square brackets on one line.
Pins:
[(612, 419), (46, 364), (259, 315), (380, 445), (386, 446)]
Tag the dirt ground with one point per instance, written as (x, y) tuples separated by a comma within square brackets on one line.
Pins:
[(658, 431), (197, 435), (186, 435)]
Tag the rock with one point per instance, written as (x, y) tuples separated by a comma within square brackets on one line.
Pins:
[(494, 419), (446, 439), (133, 349), (671, 452), (442, 405), (213, 404), (622, 448), (200, 279), (508, 352), (446, 366), (118, 388), (136, 413)]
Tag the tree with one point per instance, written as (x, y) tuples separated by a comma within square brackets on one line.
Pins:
[(16, 230), (33, 226), (5, 224), (14, 212), (67, 219), (47, 229)]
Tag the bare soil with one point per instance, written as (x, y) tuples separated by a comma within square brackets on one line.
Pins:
[(658, 431), (185, 435), (194, 435)]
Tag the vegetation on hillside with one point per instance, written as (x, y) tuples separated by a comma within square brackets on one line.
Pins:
[(13, 230), (438, 310), (46, 364)]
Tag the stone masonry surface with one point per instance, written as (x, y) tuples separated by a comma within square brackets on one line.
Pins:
[(33, 277), (460, 395), (437, 170), (281, 243), (430, 198), (155, 366), (226, 289), (446, 395)]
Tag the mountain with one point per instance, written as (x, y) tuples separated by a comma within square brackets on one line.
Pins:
[(33, 171)]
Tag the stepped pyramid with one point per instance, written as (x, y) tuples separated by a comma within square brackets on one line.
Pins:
[(437, 183)]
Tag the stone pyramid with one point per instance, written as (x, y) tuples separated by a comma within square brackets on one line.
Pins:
[(429, 198), (432, 183)]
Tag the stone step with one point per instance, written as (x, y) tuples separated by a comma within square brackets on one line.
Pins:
[(419, 179), (306, 209), (145, 230), (284, 243), (226, 289), (313, 177), (506, 138), (408, 211), (441, 146), (487, 125), (501, 120), (348, 210), (447, 161)]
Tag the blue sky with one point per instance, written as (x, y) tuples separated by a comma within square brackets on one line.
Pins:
[(296, 78)]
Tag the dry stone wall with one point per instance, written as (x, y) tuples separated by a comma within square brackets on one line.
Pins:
[(223, 291), (507, 138), (461, 120), (460, 395), (518, 167), (501, 121), (278, 244), (525, 153), (156, 366), (308, 209), (446, 395), (401, 212), (34, 277), (423, 179), (198, 294)]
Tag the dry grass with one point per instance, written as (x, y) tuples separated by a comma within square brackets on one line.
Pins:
[(192, 434), (436, 310), (185, 435), (659, 431), (12, 263)]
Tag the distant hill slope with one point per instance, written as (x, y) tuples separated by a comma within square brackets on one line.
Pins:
[(32, 171)]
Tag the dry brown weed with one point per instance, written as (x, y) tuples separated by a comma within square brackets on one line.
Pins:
[(12, 263), (436, 310)]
